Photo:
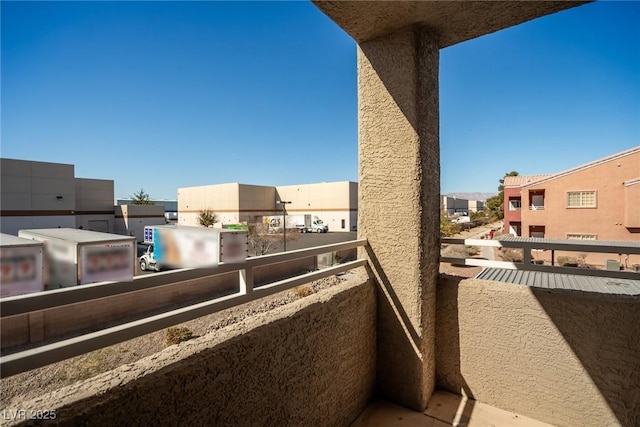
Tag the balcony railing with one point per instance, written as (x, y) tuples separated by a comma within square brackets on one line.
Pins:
[(529, 244), (51, 353), (44, 355)]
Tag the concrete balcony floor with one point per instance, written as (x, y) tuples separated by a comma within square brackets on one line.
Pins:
[(444, 409)]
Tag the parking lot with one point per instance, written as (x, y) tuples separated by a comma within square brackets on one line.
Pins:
[(303, 241), (294, 241)]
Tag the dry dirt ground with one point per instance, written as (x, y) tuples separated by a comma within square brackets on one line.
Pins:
[(460, 271), (34, 383), (464, 271)]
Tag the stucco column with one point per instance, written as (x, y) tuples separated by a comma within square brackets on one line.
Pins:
[(399, 204)]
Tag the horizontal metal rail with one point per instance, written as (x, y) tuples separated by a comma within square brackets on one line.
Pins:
[(554, 245), (20, 304), (41, 356), (51, 353), (569, 245)]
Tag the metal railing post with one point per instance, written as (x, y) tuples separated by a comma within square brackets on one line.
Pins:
[(246, 280)]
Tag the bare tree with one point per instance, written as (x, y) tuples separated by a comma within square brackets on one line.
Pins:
[(262, 241), (207, 218)]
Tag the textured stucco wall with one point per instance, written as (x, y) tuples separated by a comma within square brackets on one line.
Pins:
[(399, 203), (563, 357), (455, 21), (311, 362)]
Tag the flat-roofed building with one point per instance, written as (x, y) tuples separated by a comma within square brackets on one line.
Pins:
[(454, 205), (336, 203), (233, 203), (48, 195), (170, 207)]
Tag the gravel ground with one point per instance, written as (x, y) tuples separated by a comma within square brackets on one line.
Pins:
[(29, 385)]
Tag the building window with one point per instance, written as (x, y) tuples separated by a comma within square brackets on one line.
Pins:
[(536, 198), (515, 228), (581, 199), (515, 204), (581, 236), (537, 231)]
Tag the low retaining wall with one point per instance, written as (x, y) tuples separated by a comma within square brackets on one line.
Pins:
[(95, 314), (311, 362), (567, 358)]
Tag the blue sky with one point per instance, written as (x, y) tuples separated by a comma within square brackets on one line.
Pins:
[(162, 95)]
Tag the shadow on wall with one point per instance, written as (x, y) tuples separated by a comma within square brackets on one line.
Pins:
[(603, 331), (448, 350), (391, 361), (562, 357), (398, 68)]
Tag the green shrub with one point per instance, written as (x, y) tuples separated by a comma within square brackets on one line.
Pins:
[(448, 228), (512, 255)]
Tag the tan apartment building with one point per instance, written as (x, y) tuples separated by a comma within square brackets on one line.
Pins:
[(48, 195), (595, 201), (336, 203), (513, 201)]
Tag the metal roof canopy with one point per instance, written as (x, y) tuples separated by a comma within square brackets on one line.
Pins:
[(605, 246), (571, 282), (453, 21)]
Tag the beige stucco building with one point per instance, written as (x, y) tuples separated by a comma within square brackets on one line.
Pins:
[(336, 203), (48, 195), (233, 203)]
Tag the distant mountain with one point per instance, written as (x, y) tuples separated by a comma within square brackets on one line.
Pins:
[(471, 196)]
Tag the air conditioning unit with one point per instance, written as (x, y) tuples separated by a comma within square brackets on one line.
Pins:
[(613, 265)]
